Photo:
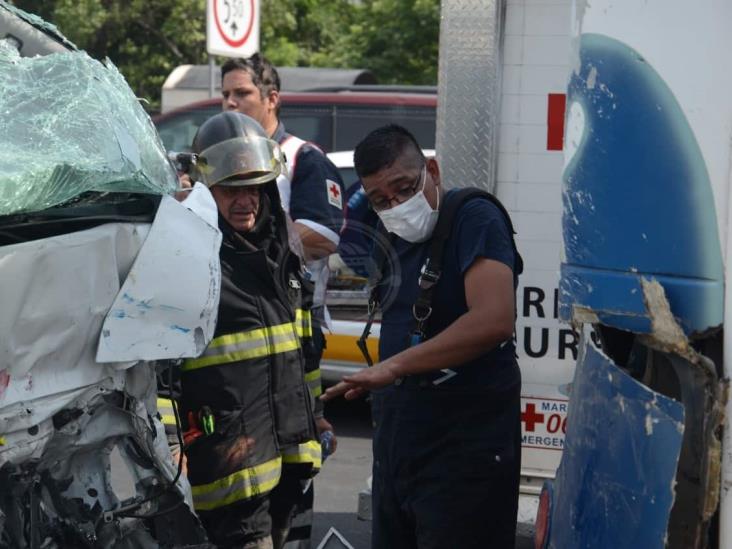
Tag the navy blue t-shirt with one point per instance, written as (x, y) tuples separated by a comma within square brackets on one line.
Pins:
[(479, 231)]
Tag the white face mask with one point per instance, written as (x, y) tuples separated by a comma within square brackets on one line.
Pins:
[(413, 220)]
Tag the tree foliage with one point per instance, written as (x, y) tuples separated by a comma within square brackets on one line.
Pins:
[(146, 39), (396, 39)]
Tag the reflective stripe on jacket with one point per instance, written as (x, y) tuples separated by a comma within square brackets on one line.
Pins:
[(314, 382), (308, 452), (247, 345), (241, 485)]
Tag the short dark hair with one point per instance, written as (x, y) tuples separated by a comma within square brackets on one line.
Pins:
[(381, 148), (263, 73)]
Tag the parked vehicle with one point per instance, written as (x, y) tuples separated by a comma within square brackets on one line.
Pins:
[(334, 120), (188, 84)]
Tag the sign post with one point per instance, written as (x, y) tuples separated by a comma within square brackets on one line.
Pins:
[(232, 29)]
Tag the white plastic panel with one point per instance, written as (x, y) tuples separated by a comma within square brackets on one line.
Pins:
[(167, 306)]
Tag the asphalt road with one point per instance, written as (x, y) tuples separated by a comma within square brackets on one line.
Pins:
[(345, 474)]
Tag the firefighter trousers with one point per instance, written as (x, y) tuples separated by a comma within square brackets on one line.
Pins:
[(446, 467)]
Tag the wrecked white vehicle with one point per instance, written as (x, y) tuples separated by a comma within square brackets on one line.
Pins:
[(104, 277)]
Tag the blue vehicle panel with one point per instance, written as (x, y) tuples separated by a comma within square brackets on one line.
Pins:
[(637, 197), (613, 488)]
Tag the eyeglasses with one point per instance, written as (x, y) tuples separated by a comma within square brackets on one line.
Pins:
[(382, 203)]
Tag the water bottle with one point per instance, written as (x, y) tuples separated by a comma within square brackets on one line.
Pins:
[(326, 443)]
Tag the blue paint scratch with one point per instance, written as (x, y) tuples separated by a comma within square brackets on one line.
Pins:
[(128, 298), (170, 308), (119, 313), (180, 328)]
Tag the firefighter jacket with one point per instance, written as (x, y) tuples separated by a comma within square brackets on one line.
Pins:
[(248, 390)]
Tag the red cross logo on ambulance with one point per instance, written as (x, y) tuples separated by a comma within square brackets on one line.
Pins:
[(335, 197), (544, 422)]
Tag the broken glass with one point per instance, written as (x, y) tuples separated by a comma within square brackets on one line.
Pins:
[(70, 125)]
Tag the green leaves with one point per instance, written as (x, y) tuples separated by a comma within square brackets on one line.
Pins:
[(147, 39), (396, 39)]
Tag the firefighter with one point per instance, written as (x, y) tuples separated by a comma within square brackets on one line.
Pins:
[(311, 191), (311, 188), (250, 436)]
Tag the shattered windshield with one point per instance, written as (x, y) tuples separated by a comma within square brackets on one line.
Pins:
[(69, 125)]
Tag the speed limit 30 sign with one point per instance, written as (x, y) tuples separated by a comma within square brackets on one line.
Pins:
[(232, 27)]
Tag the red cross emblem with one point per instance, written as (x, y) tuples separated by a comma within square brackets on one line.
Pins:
[(334, 194), (531, 418), (334, 191)]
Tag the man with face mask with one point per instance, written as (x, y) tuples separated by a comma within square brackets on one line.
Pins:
[(251, 435), (446, 394)]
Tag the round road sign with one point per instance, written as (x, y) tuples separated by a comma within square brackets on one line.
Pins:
[(234, 20)]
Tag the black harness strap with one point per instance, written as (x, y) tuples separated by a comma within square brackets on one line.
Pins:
[(378, 259), (432, 268)]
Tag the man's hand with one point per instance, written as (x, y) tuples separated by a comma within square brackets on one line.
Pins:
[(322, 425), (358, 384), (184, 180)]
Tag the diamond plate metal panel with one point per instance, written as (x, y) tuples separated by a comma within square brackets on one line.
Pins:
[(469, 91)]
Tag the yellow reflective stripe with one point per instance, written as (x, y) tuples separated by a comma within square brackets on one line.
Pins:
[(313, 376), (261, 334), (233, 339), (3, 442), (314, 383), (247, 345), (304, 323), (265, 350), (244, 484), (165, 409), (307, 452)]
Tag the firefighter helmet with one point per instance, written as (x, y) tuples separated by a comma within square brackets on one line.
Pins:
[(234, 150)]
